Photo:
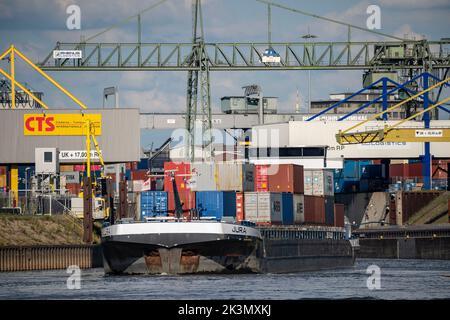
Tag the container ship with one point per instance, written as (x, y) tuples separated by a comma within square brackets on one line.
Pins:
[(194, 226)]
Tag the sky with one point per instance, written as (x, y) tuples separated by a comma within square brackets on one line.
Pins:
[(34, 27)]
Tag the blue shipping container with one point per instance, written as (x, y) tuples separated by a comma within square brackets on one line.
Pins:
[(217, 204), (352, 168), (153, 203), (346, 186), (371, 171), (287, 215)]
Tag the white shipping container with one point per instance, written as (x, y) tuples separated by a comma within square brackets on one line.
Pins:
[(323, 183), (308, 182), (203, 177), (263, 207), (299, 208), (319, 182)]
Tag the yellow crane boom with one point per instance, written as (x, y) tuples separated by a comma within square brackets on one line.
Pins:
[(394, 133)]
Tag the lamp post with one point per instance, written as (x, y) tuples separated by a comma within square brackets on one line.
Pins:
[(26, 188), (308, 37), (115, 92)]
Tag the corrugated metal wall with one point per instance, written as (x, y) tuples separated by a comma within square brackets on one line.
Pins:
[(119, 142)]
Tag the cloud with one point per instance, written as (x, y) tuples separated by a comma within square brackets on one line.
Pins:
[(414, 4)]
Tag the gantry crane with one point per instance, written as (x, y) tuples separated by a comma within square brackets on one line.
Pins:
[(396, 133), (198, 57)]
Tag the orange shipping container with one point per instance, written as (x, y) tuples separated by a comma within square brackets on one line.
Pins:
[(314, 209), (279, 178)]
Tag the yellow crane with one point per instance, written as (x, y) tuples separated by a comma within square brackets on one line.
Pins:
[(395, 133)]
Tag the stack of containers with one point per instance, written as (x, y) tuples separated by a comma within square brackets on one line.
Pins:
[(153, 203), (182, 171), (319, 197), (279, 195), (220, 188)]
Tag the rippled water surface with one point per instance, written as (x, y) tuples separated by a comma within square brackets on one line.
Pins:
[(400, 279)]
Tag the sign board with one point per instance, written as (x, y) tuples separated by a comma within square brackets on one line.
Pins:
[(67, 54), (77, 155), (71, 176), (63, 124), (429, 133)]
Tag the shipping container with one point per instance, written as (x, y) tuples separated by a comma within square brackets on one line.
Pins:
[(139, 175), (240, 213), (182, 171), (263, 207), (339, 213), (187, 198), (233, 176), (372, 171), (329, 210), (342, 185), (287, 206), (314, 209), (319, 182), (217, 204), (280, 178), (298, 201), (153, 203), (222, 176)]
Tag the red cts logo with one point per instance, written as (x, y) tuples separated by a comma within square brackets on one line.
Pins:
[(42, 123)]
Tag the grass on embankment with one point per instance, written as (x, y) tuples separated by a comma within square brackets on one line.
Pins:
[(40, 230)]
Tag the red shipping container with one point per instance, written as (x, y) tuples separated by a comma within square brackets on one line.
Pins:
[(279, 178), (139, 175), (182, 171), (187, 199), (314, 209), (339, 214), (240, 215)]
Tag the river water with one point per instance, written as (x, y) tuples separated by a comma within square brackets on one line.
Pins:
[(399, 279)]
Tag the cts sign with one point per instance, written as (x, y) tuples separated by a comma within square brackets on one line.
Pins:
[(60, 124)]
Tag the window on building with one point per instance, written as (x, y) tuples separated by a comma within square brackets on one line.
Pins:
[(48, 157)]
